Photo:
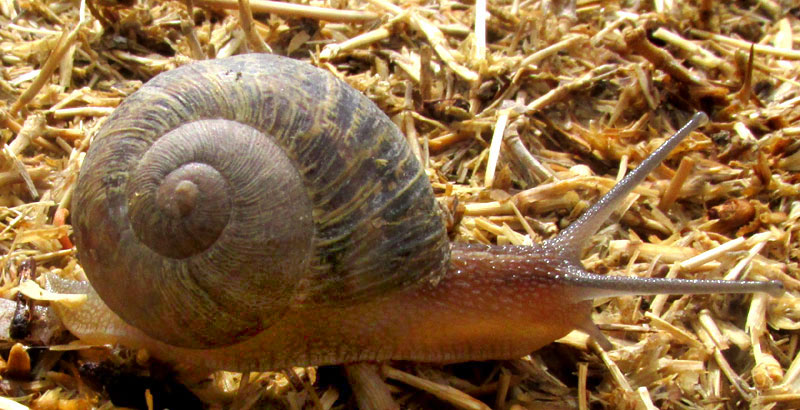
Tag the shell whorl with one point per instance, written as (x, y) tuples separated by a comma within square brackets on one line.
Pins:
[(225, 192)]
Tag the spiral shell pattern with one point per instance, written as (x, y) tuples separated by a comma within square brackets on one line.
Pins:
[(226, 192)]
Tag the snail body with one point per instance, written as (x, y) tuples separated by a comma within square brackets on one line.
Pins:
[(255, 212)]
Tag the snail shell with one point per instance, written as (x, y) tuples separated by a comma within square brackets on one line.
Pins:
[(226, 192)]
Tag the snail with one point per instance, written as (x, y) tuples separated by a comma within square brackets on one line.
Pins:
[(255, 212)]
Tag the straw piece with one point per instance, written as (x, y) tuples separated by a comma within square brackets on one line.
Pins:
[(561, 92), (446, 393), (582, 107), (33, 126), (332, 51), (644, 398), (744, 45), (370, 390), (694, 52), (481, 15), (674, 188), (49, 67), (246, 21), (294, 10), (711, 254), (677, 333), (636, 38), (8, 404), (19, 171), (439, 43), (187, 29), (494, 148)]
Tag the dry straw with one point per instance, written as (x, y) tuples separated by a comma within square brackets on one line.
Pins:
[(524, 111)]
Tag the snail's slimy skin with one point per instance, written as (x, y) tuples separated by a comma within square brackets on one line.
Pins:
[(477, 311), (493, 302), (343, 257)]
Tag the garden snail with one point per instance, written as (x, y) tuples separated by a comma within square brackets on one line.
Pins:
[(255, 212)]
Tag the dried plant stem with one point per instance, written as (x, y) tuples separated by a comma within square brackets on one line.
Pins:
[(194, 45), (449, 394), (34, 126), (533, 170), (480, 30), (425, 72), (246, 21), (331, 51), (674, 188), (22, 172), (9, 123), (295, 10), (616, 374), (387, 6), (408, 123), (650, 251), (740, 385), (767, 371), (82, 111), (562, 91), (552, 49), (745, 92), (305, 385), (368, 386), (745, 45), (696, 53), (674, 331), (712, 254), (494, 148), (738, 270), (439, 43), (504, 381), (524, 67), (49, 67), (645, 399), (583, 396), (636, 38)]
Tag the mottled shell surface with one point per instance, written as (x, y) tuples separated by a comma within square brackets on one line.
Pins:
[(226, 192)]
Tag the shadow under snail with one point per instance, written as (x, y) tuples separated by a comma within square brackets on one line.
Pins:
[(255, 212)]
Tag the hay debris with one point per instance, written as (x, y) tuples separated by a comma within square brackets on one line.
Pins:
[(523, 112)]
